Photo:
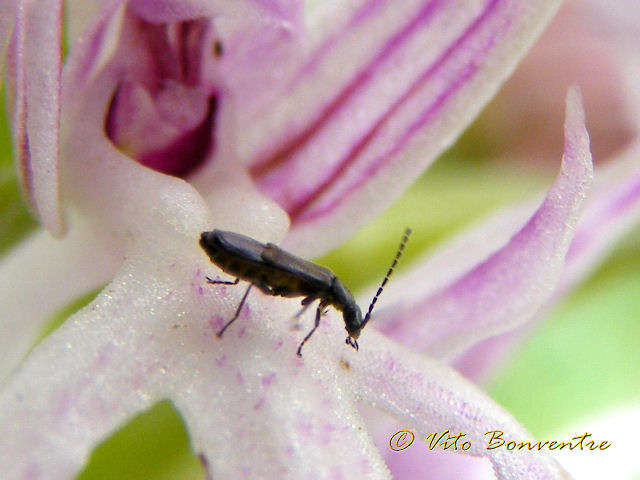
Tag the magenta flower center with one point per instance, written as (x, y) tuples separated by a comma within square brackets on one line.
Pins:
[(162, 114)]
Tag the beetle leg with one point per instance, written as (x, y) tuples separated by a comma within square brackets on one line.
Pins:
[(264, 288), (244, 298), (305, 304), (315, 325), (308, 300), (222, 282)]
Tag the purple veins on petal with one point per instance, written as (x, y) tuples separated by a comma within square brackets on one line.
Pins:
[(511, 284), (34, 75), (371, 144)]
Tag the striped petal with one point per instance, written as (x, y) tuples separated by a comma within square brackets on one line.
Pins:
[(612, 210), (381, 90), (7, 18), (169, 11), (35, 64), (428, 397), (512, 283)]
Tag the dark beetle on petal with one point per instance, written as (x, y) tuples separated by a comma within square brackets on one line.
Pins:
[(279, 273)]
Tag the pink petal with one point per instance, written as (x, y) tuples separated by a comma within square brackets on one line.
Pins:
[(72, 389), (612, 210), (150, 335), (89, 376), (428, 397), (510, 286), (91, 53), (383, 90), (7, 18), (36, 121), (170, 11), (57, 272), (99, 184), (284, 415)]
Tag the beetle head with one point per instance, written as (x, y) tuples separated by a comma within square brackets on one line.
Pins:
[(352, 323)]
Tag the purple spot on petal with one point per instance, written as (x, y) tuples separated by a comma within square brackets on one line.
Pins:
[(239, 378), (336, 473), (106, 354), (205, 465), (222, 361), (268, 379), (259, 404), (305, 428), (330, 427), (326, 433), (216, 322)]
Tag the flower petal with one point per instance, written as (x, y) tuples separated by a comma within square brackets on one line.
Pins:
[(429, 397), (97, 184), (150, 335), (92, 373), (257, 411), (56, 272), (415, 74), (36, 122), (612, 209), (510, 286), (118, 355), (7, 18), (170, 11)]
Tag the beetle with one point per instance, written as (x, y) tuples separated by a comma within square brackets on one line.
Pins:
[(277, 272)]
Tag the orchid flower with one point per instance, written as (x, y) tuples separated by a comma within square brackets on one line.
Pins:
[(289, 124)]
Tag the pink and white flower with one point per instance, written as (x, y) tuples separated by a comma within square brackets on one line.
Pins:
[(290, 124)]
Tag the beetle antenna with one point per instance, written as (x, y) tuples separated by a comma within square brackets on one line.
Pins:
[(403, 242)]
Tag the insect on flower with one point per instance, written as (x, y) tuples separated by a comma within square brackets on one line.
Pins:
[(279, 273)]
